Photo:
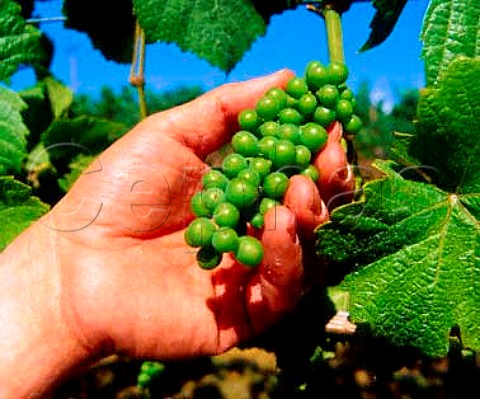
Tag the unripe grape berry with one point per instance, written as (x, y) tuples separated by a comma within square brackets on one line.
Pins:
[(327, 95), (316, 76), (262, 166), (198, 207), (269, 128), (232, 164), (347, 94), (311, 171), (257, 221), (303, 156), (208, 258), (283, 154), (344, 110), (313, 136), (212, 197), (245, 143), (296, 87), (354, 125), (214, 179), (307, 104), (251, 176), (324, 116), (249, 252), (267, 108), (289, 132), (226, 215), (338, 72), (249, 120), (225, 239), (241, 193), (275, 185), (199, 232), (266, 146), (279, 95), (290, 115), (266, 204)]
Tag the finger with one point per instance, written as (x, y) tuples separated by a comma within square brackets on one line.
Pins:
[(336, 181), (206, 123), (303, 199), (277, 286)]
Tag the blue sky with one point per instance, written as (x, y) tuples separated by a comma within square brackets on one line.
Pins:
[(292, 40)]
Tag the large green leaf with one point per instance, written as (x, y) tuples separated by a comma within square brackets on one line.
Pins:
[(20, 43), (411, 249), (451, 28), (18, 209), (220, 31), (383, 22), (13, 132)]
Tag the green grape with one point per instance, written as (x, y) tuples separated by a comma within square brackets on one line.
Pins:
[(296, 87), (289, 132), (354, 125), (344, 110), (257, 221), (241, 193), (245, 143), (279, 95), (290, 115), (214, 179), (267, 108), (291, 102), (249, 252), (226, 215), (347, 94), (143, 380), (324, 116), (283, 154), (303, 156), (261, 165), (212, 197), (197, 205), (269, 128), (208, 258), (251, 176), (232, 164), (311, 171), (275, 185), (266, 146), (199, 232), (266, 204), (307, 104), (316, 75), (313, 136), (327, 95), (225, 239), (249, 120), (338, 72)]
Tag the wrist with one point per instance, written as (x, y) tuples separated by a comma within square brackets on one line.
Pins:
[(38, 342)]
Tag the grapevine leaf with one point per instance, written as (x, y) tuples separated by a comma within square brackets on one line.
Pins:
[(13, 132), (447, 138), (383, 22), (115, 38), (65, 139), (60, 96), (451, 28), (220, 31), (411, 248), (414, 249), (20, 43), (18, 209), (77, 166)]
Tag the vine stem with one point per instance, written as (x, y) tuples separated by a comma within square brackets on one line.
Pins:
[(137, 69), (333, 23)]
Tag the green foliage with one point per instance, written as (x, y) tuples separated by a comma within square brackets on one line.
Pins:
[(451, 28), (20, 43), (411, 245), (13, 132), (220, 31), (17, 208), (383, 22)]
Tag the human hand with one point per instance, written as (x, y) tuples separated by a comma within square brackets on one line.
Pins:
[(126, 279)]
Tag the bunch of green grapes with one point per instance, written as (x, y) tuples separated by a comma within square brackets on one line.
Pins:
[(277, 139), (149, 370)]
